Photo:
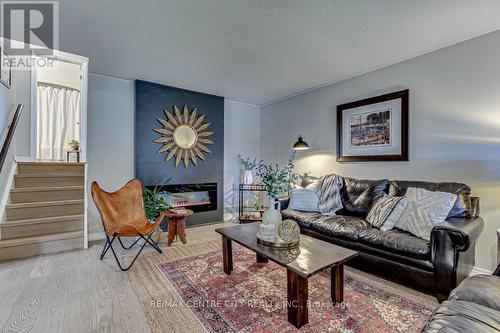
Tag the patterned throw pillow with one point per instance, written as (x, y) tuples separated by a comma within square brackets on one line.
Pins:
[(425, 209), (386, 212)]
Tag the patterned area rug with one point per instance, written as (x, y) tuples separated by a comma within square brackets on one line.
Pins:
[(253, 298)]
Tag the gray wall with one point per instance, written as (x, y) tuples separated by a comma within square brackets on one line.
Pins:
[(111, 139), (454, 125), (242, 132), (7, 106), (110, 153), (152, 168)]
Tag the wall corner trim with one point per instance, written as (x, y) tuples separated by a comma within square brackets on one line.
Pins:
[(476, 270), (8, 186)]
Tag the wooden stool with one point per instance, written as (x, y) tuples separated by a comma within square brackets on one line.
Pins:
[(177, 225)]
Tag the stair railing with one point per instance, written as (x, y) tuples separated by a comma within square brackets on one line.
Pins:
[(10, 134)]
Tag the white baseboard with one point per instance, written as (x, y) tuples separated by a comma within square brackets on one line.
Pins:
[(476, 270), (8, 186), (18, 158), (96, 236)]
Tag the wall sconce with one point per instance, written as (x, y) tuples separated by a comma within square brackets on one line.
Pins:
[(300, 144)]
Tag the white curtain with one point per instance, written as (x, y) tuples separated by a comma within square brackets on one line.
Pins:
[(58, 121)]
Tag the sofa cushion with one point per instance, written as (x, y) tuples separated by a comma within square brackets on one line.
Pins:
[(343, 226), (304, 219), (479, 289), (463, 205), (358, 195), (396, 241), (463, 316)]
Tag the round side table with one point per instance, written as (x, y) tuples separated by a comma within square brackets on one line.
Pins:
[(177, 225)]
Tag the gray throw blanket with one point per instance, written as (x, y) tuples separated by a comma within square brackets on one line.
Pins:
[(328, 190)]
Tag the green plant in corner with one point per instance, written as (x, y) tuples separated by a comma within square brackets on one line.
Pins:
[(74, 144), (257, 206), (154, 201)]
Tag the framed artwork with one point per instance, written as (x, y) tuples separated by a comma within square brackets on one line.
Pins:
[(5, 69), (374, 129)]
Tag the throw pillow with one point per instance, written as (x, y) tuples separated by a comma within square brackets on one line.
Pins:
[(386, 212), (304, 199), (425, 209)]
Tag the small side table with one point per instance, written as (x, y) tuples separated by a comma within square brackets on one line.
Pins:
[(77, 152), (177, 225)]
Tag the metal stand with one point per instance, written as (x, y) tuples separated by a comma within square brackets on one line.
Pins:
[(109, 244)]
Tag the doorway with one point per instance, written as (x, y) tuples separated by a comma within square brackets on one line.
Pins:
[(58, 112)]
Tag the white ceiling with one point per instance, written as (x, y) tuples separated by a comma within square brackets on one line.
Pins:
[(258, 51)]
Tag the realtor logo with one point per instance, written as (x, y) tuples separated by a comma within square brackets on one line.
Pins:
[(30, 26)]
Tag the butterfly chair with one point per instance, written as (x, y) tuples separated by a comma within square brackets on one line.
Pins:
[(122, 215)]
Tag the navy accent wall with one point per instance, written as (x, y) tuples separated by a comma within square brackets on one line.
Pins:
[(150, 100)]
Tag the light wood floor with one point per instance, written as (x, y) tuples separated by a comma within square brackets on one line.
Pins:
[(75, 292)]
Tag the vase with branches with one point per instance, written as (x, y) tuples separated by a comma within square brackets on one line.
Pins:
[(278, 180), (248, 167)]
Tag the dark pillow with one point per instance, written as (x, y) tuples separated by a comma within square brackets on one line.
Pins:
[(359, 195), (462, 207)]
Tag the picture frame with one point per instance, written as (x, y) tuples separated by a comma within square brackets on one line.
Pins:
[(374, 129), (5, 69)]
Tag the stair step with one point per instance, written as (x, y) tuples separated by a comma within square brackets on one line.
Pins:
[(48, 180), (40, 226), (50, 167), (38, 194), (37, 245), (20, 211)]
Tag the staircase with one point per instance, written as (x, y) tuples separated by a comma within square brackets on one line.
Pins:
[(45, 210)]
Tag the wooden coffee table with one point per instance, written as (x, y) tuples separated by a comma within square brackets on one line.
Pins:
[(177, 225), (303, 261)]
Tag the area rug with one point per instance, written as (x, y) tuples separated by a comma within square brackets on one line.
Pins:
[(253, 298)]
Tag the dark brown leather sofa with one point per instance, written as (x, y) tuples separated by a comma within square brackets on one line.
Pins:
[(474, 306), (437, 266)]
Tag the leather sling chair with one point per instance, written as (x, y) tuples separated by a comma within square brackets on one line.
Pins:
[(122, 215)]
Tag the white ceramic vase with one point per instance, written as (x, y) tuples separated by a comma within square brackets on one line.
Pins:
[(272, 216), (248, 177)]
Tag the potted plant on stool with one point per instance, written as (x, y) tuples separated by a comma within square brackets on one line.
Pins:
[(155, 204)]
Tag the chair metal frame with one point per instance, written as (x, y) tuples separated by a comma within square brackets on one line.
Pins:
[(109, 244)]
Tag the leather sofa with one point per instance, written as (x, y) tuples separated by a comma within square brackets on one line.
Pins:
[(474, 306), (435, 266)]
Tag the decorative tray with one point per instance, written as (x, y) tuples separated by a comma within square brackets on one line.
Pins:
[(281, 244)]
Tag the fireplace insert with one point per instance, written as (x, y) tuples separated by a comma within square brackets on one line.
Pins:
[(200, 197)]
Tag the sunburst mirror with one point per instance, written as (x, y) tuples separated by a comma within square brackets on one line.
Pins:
[(184, 136)]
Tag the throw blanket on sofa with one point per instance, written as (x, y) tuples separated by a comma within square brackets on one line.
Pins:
[(328, 190)]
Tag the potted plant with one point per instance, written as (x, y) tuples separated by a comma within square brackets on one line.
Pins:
[(154, 201), (155, 204), (258, 209), (248, 166), (74, 145)]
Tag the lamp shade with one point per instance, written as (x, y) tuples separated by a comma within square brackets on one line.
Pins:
[(300, 144)]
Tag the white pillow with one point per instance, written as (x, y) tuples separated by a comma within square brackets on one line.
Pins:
[(425, 209), (304, 199)]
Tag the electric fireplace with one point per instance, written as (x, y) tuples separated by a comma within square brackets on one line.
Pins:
[(200, 197)]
